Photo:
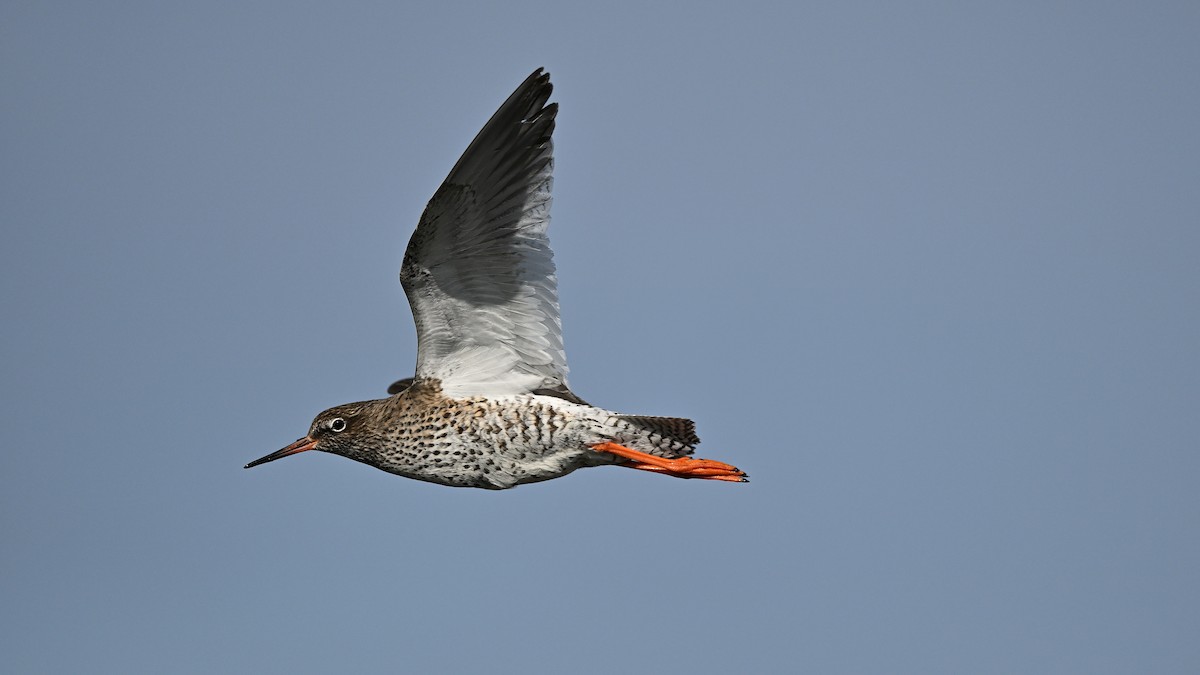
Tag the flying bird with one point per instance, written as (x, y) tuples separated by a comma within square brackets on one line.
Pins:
[(489, 406)]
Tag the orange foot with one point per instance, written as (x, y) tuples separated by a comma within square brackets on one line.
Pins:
[(682, 467)]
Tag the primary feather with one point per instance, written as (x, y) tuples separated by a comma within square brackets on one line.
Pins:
[(478, 271)]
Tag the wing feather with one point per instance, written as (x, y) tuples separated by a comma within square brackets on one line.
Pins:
[(479, 272)]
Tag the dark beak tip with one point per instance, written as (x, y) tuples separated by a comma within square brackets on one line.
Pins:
[(301, 445)]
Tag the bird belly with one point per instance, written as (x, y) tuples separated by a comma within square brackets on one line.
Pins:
[(493, 444)]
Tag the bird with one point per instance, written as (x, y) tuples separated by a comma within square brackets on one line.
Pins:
[(489, 405)]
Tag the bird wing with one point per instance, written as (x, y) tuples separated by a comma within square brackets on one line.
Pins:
[(478, 270)]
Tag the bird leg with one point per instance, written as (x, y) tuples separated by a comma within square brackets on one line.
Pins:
[(680, 467)]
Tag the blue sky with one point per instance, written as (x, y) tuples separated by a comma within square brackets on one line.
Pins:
[(926, 271)]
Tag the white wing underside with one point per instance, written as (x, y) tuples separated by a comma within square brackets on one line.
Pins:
[(479, 272)]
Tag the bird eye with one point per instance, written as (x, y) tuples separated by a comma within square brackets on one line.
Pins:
[(337, 424)]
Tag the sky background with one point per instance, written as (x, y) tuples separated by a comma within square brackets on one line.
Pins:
[(927, 271)]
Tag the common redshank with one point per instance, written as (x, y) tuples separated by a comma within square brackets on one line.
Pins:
[(489, 406)]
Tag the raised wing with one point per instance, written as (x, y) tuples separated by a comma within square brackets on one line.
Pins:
[(478, 271)]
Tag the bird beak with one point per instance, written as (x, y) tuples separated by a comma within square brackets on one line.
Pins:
[(301, 445)]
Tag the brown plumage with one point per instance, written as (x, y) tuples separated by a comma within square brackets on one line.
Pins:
[(489, 406)]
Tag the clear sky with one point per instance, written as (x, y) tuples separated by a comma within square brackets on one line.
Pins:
[(928, 271)]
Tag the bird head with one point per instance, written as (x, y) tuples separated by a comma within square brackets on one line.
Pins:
[(339, 430)]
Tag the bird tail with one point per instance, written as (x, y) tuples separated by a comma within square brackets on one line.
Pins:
[(672, 436)]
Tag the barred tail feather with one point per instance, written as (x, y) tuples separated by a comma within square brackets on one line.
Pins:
[(676, 429)]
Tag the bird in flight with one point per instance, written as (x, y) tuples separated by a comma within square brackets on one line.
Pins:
[(489, 406)]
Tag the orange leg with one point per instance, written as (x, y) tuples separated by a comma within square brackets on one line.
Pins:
[(682, 467)]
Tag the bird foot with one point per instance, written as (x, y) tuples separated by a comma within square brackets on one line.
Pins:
[(681, 467)]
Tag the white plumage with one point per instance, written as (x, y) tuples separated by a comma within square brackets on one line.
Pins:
[(479, 273)]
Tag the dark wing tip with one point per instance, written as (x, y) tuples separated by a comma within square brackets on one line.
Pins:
[(539, 79), (526, 114)]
